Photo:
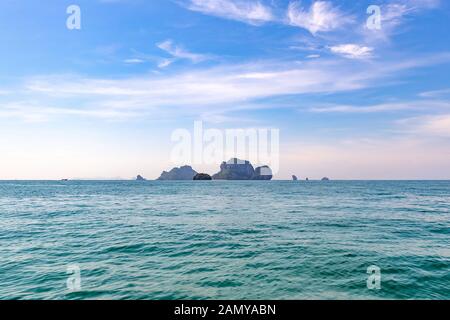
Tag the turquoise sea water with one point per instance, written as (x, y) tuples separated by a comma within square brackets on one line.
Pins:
[(224, 240)]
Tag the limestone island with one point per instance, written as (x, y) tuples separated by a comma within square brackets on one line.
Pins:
[(234, 169), (140, 178), (182, 173)]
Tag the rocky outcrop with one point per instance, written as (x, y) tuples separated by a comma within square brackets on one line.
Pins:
[(325, 179), (202, 176), (140, 178), (294, 177), (182, 173), (263, 173), (236, 169)]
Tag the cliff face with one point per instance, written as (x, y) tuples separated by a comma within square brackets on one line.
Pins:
[(236, 169), (182, 173)]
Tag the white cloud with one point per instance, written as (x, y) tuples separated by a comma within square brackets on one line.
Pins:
[(439, 125), (384, 107), (219, 85), (165, 63), (393, 15), (422, 4), (320, 17), (429, 125), (352, 51), (32, 111), (435, 93), (249, 11), (134, 61), (197, 92), (177, 52)]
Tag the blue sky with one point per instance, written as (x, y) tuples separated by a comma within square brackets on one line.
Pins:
[(102, 102)]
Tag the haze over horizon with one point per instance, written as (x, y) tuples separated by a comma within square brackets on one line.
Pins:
[(351, 102)]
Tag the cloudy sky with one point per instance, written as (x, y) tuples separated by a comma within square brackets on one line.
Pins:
[(351, 102)]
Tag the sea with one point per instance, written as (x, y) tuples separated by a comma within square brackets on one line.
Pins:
[(171, 240)]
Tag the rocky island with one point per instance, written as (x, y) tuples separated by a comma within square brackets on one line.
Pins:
[(182, 173), (234, 169)]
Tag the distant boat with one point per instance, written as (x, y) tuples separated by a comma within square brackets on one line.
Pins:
[(294, 177), (64, 180)]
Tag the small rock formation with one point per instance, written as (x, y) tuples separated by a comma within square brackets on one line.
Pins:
[(202, 176), (140, 178), (307, 179), (325, 179), (294, 177), (182, 173), (236, 169)]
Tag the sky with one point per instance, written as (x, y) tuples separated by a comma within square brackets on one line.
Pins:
[(352, 98)]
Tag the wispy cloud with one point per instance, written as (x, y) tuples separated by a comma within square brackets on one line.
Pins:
[(322, 16), (165, 63), (218, 85), (249, 11), (394, 13), (215, 88), (352, 51), (134, 61), (435, 93), (33, 111), (428, 125), (436, 125), (178, 52), (384, 107)]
